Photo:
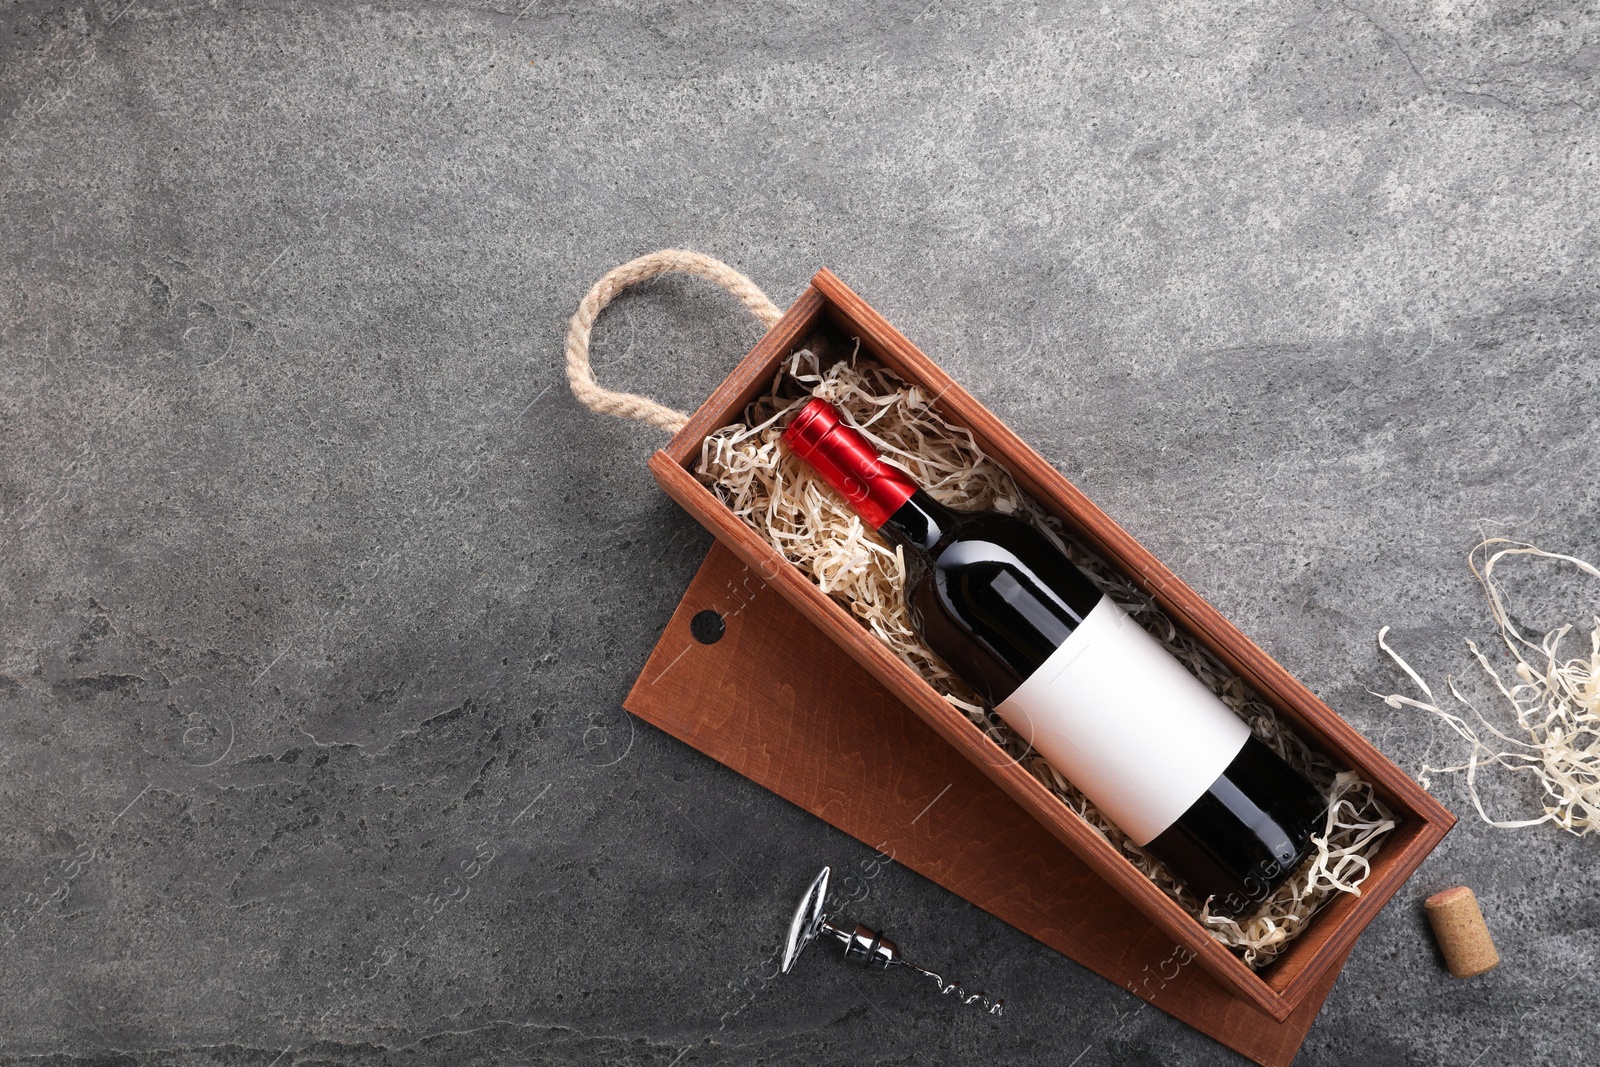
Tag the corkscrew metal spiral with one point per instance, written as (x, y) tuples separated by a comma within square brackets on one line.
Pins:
[(861, 945)]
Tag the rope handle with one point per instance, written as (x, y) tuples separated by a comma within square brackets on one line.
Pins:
[(630, 405)]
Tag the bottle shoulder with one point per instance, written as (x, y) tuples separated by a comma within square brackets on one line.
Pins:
[(997, 526), (998, 573), (993, 539)]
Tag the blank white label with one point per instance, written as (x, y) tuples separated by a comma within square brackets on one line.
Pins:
[(1126, 723)]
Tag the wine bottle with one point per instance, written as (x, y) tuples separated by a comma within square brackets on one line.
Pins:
[(1079, 681)]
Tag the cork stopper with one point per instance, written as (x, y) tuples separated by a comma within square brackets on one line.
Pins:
[(1458, 924)]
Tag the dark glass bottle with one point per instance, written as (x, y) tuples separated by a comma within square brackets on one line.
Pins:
[(1102, 701)]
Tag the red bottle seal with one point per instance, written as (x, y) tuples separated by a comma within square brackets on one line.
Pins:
[(848, 462)]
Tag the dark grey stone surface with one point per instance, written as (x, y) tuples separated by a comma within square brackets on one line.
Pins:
[(320, 593)]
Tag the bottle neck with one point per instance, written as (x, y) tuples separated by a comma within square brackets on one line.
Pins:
[(919, 523)]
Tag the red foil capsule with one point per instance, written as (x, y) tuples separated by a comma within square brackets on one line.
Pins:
[(848, 462)]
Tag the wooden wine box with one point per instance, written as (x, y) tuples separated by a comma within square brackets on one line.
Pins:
[(1305, 966)]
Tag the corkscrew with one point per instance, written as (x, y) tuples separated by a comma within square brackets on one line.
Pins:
[(861, 945)]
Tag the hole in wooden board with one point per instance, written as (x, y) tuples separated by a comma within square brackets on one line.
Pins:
[(707, 627)]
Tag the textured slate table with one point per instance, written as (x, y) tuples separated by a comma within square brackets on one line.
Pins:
[(320, 594)]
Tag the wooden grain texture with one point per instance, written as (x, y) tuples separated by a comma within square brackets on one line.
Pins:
[(776, 702), (1275, 990)]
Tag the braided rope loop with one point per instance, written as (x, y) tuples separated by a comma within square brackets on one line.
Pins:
[(630, 405)]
